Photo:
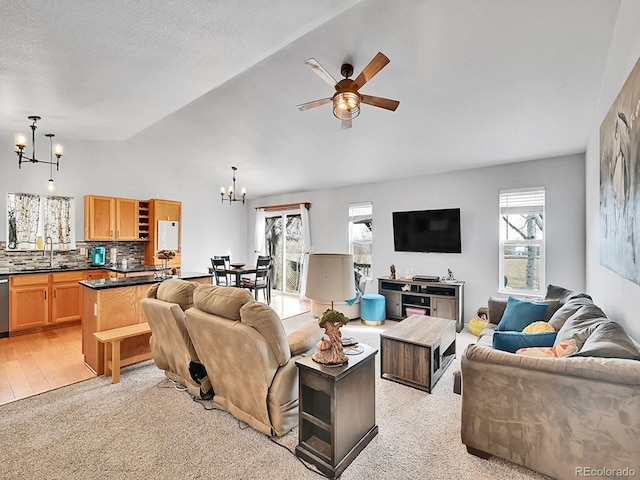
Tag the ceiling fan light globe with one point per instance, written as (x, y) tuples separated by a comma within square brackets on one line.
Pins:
[(346, 105)]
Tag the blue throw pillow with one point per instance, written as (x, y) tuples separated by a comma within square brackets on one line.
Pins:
[(520, 313), (513, 341)]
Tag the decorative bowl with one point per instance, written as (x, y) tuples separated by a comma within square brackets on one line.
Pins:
[(237, 265)]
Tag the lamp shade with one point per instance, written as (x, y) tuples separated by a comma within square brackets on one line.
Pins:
[(330, 277)]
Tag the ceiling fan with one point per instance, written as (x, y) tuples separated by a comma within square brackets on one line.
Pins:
[(347, 99)]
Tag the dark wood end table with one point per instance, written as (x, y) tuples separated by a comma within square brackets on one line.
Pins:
[(337, 415)]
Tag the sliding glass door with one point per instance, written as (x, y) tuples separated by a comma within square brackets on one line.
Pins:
[(283, 242)]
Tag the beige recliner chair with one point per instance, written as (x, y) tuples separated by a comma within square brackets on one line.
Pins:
[(249, 358), (171, 346)]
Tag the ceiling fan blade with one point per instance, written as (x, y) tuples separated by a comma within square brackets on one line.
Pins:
[(346, 123), (374, 66), (316, 103), (380, 102), (321, 72)]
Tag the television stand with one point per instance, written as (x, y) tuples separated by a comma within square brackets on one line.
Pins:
[(431, 298)]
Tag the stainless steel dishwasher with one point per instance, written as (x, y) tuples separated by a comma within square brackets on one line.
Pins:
[(4, 306)]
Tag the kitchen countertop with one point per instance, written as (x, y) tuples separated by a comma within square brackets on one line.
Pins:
[(66, 268), (103, 283)]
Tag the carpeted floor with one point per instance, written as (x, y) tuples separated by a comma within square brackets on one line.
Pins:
[(138, 430)]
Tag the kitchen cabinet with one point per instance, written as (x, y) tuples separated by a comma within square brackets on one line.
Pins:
[(66, 296), (126, 226), (110, 218), (46, 300), (28, 302), (167, 210), (99, 217), (114, 304)]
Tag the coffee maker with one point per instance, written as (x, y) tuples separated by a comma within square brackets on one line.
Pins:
[(98, 255)]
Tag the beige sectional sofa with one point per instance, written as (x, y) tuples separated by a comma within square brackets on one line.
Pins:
[(565, 417), (249, 360)]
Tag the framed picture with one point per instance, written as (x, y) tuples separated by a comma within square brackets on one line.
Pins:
[(620, 180)]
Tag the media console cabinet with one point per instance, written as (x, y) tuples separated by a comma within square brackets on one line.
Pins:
[(435, 299)]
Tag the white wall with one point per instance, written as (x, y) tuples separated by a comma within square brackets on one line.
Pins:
[(476, 193), (131, 170), (619, 298)]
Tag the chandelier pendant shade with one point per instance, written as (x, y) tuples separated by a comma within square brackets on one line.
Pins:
[(230, 194), (20, 143)]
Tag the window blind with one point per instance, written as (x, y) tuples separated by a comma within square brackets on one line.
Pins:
[(522, 201)]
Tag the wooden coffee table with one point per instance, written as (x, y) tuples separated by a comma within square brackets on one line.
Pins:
[(416, 351)]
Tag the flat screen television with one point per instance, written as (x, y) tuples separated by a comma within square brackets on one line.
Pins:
[(427, 231)]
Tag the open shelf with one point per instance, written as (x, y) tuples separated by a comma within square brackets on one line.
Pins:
[(143, 221)]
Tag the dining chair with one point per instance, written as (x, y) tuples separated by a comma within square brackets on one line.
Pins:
[(220, 271), (261, 280)]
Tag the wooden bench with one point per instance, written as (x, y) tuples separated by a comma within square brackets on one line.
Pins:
[(113, 337)]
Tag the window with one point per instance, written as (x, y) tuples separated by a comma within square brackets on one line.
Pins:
[(360, 236), (33, 218), (522, 241)]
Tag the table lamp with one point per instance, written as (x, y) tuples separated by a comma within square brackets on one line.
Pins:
[(330, 278)]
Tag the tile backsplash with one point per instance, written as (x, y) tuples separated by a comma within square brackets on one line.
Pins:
[(14, 261)]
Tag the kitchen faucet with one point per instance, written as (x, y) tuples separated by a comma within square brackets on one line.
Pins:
[(44, 250)]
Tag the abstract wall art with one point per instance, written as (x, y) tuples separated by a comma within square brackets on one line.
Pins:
[(620, 182)]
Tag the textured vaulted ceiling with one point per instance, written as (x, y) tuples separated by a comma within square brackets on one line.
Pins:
[(479, 82)]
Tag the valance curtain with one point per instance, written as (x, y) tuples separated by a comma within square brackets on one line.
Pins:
[(259, 232), (57, 221), (306, 248), (27, 217)]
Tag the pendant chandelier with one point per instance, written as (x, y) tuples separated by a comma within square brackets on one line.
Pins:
[(230, 193), (21, 142)]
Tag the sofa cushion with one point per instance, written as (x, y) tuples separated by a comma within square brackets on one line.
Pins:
[(562, 294), (520, 313), (267, 322), (570, 307), (563, 349), (177, 291), (495, 309), (609, 340), (540, 326), (510, 341), (497, 305), (222, 301), (577, 325)]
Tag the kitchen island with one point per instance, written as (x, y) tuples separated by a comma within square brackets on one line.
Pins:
[(115, 302)]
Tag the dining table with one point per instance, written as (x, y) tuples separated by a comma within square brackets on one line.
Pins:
[(239, 269)]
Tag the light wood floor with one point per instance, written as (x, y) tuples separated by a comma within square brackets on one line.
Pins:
[(39, 362)]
